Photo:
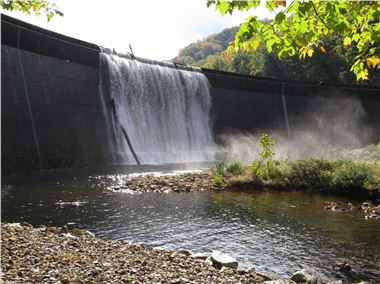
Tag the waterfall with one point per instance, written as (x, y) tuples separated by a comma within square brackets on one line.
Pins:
[(155, 114)]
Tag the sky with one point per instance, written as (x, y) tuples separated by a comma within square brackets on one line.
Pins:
[(156, 29)]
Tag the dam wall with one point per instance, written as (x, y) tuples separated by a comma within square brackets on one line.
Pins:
[(52, 115), (50, 105), (244, 103)]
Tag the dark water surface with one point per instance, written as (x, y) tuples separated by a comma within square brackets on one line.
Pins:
[(277, 232)]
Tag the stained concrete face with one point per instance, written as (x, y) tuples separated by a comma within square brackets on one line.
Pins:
[(244, 104), (51, 113)]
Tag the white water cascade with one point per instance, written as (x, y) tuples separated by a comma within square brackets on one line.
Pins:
[(160, 114)]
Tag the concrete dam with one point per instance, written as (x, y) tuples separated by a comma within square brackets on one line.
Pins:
[(67, 103)]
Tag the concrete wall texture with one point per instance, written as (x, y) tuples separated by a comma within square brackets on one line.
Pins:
[(51, 109), (251, 104)]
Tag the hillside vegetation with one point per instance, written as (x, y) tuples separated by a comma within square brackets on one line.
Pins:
[(215, 44), (333, 65)]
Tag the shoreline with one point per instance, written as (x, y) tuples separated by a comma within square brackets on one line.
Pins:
[(62, 255), (204, 181)]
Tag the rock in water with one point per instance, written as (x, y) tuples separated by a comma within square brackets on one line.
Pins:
[(303, 276), (221, 259), (342, 266)]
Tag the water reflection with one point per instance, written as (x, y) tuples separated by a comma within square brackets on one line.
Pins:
[(277, 232)]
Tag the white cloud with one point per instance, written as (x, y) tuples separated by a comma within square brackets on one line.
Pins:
[(155, 29)]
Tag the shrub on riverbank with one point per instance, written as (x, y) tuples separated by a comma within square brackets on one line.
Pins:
[(344, 176), (339, 176)]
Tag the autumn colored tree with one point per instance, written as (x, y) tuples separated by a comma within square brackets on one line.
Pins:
[(300, 27)]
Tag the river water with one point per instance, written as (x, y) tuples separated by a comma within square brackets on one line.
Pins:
[(277, 232)]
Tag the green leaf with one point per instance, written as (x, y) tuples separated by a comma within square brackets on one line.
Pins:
[(356, 37), (279, 18)]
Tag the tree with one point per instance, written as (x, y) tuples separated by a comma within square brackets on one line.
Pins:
[(37, 7), (300, 27)]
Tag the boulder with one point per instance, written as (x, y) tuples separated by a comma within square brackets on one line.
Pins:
[(302, 276), (220, 259)]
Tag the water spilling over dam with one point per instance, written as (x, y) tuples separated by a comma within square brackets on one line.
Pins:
[(155, 114)]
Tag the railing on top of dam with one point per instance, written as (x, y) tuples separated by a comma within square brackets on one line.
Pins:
[(22, 35)]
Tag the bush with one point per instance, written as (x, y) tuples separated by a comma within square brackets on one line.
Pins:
[(351, 175), (330, 175), (218, 178), (220, 168), (312, 173), (279, 172), (235, 168)]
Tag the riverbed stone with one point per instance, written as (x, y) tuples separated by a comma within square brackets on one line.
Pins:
[(303, 276), (279, 281), (221, 259), (199, 255), (209, 261)]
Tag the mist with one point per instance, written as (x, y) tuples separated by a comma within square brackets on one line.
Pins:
[(331, 123)]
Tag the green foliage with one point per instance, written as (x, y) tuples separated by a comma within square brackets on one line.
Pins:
[(220, 168), (328, 175), (312, 173), (37, 7), (279, 172), (218, 179), (196, 52), (301, 27), (262, 167), (350, 174), (330, 66), (235, 168)]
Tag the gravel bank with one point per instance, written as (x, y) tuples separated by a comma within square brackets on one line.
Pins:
[(57, 255), (203, 181)]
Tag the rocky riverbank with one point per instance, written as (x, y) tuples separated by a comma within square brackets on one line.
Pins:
[(202, 181), (59, 255)]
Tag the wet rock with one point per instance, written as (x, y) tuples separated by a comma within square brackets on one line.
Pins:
[(265, 277), (221, 259), (185, 252), (343, 266), (26, 224), (303, 276), (199, 255), (77, 232), (350, 206), (89, 234)]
